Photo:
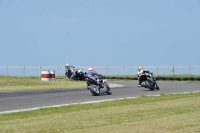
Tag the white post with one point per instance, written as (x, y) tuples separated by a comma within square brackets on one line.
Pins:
[(123, 71), (6, 71), (157, 71), (40, 71), (56, 70), (23, 71), (189, 71), (106, 71)]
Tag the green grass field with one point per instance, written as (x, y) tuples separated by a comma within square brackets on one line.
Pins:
[(34, 83), (178, 113)]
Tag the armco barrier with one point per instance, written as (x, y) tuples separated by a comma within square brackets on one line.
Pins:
[(171, 70)]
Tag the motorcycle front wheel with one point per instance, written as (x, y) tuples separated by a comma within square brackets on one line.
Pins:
[(94, 90), (149, 85)]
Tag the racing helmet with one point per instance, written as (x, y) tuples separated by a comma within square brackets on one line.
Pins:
[(90, 69), (140, 68), (66, 66)]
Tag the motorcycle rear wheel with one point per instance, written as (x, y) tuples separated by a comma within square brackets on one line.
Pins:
[(149, 85)]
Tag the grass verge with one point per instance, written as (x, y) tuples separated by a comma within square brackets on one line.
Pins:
[(34, 83), (168, 113)]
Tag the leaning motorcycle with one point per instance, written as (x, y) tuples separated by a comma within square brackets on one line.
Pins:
[(79, 75), (149, 81), (96, 86)]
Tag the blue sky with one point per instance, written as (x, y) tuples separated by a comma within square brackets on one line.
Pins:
[(100, 32)]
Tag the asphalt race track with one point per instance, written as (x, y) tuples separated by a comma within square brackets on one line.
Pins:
[(31, 99)]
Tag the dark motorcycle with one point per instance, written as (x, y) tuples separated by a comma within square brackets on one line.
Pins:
[(79, 75), (149, 82), (96, 86)]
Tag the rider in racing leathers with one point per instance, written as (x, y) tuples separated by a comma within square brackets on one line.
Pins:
[(94, 75), (70, 69), (141, 71)]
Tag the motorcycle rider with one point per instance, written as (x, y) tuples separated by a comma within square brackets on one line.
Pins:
[(96, 76), (70, 69), (142, 71)]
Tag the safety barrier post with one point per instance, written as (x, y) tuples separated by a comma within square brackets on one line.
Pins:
[(23, 71), (123, 71), (40, 69), (157, 71), (56, 70), (106, 71), (6, 71), (189, 71)]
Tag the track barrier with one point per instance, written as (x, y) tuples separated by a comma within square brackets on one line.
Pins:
[(47, 75)]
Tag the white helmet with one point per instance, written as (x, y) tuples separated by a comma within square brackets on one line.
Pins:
[(66, 65), (90, 69)]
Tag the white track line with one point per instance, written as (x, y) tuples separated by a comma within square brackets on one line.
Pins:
[(36, 108), (116, 85)]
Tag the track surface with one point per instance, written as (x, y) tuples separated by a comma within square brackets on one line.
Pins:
[(31, 99)]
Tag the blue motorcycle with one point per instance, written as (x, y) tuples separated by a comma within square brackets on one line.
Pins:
[(79, 75)]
